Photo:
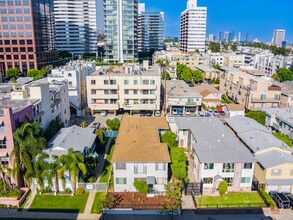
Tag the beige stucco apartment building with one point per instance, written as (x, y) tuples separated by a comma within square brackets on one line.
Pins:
[(130, 87)]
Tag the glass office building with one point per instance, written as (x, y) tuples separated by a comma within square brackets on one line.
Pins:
[(121, 29), (27, 34)]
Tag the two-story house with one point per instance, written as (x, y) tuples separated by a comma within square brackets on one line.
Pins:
[(274, 168), (131, 88), (179, 96), (211, 97), (139, 154), (218, 154)]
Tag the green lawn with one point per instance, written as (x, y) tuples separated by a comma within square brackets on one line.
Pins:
[(23, 204), (59, 203), (107, 166), (231, 200), (97, 207)]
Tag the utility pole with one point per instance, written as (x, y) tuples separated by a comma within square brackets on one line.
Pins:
[(165, 95), (80, 81), (247, 98)]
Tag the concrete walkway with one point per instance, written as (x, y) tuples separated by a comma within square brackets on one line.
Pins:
[(29, 201), (187, 202), (190, 169), (89, 204), (102, 159)]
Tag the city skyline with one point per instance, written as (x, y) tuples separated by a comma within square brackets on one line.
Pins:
[(231, 19)]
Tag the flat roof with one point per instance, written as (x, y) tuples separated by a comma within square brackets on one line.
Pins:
[(214, 143), (120, 71), (16, 104), (206, 68), (284, 114), (139, 140), (180, 89)]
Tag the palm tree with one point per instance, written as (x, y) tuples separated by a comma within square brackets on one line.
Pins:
[(72, 162), (40, 168), (5, 172), (52, 173), (83, 124), (28, 143)]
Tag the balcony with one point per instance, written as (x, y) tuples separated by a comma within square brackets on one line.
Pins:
[(102, 87), (141, 107), (104, 96), (104, 106), (276, 126), (291, 136)]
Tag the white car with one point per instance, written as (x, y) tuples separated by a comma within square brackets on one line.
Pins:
[(104, 113), (174, 111), (187, 112), (158, 114)]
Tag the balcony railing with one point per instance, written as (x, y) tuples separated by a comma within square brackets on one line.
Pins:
[(276, 126)]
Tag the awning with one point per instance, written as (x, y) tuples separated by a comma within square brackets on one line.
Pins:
[(2, 137), (151, 180), (218, 178), (3, 154)]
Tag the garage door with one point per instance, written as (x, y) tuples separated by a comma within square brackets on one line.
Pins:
[(272, 188), (285, 188)]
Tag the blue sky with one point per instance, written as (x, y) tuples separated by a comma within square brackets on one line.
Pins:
[(257, 17)]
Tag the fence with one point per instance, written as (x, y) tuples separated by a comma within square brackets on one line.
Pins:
[(236, 205), (94, 187), (111, 134)]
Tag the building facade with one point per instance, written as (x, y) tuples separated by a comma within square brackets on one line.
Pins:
[(121, 20), (27, 35), (76, 26), (150, 30), (76, 82), (279, 37), (130, 88), (193, 28)]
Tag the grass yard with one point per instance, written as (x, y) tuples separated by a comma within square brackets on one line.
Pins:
[(59, 203), (231, 200), (107, 166), (97, 207)]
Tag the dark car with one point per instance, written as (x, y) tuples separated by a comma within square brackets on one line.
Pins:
[(191, 85), (290, 198), (96, 125), (281, 200), (222, 113)]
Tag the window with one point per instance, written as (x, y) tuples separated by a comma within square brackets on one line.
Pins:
[(229, 181), (120, 166), (135, 82), (19, 18), (161, 180), (4, 19), (247, 165), (20, 26), (93, 92), (11, 10), (276, 172), (160, 166), (135, 92), (4, 160), (26, 11), (106, 82), (25, 2), (121, 181), (276, 97), (245, 180), (153, 82), (18, 3), (145, 92), (153, 92), (2, 128), (10, 3), (27, 18), (2, 143), (28, 26), (18, 11), (145, 82), (3, 11), (140, 168), (208, 166), (93, 82), (228, 168), (126, 82), (185, 132), (208, 180), (126, 92), (112, 82)]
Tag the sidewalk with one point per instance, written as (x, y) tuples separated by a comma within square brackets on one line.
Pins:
[(29, 201)]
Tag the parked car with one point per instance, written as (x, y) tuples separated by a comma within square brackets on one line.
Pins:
[(290, 198), (174, 111), (96, 125), (281, 200), (180, 112), (187, 112), (200, 114), (158, 114), (210, 112), (222, 113), (104, 113), (216, 113), (191, 84), (149, 114), (142, 115)]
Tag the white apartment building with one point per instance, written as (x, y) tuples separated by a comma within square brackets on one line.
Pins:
[(279, 37), (71, 74), (269, 64), (218, 154), (76, 26), (131, 88), (193, 28), (216, 59), (233, 59), (140, 155), (49, 100)]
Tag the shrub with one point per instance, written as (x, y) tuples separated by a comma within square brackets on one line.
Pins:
[(79, 191), (15, 193), (12, 73), (284, 138), (67, 190), (141, 186), (223, 187), (47, 189), (267, 198), (91, 179), (170, 139)]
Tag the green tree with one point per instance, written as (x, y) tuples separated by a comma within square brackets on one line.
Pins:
[(285, 74), (214, 47), (64, 54), (170, 138), (197, 76), (234, 47), (216, 66), (168, 77), (83, 124), (279, 51), (260, 117), (52, 129), (43, 73), (101, 136), (223, 187), (49, 69), (284, 138), (72, 162), (141, 186), (113, 124), (275, 77), (52, 172), (28, 142), (170, 209), (173, 191), (196, 50), (34, 73), (12, 73), (178, 165), (39, 168)]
